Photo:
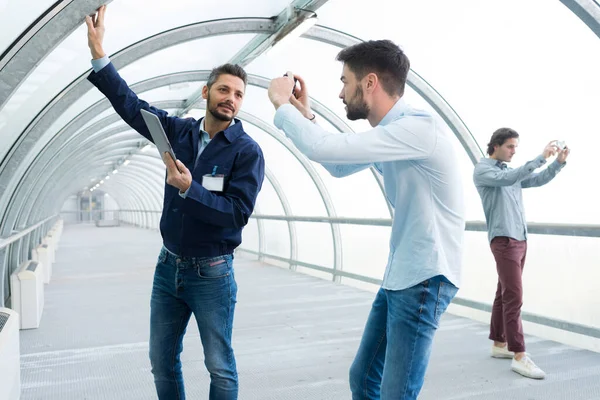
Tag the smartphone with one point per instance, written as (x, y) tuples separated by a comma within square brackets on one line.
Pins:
[(294, 88)]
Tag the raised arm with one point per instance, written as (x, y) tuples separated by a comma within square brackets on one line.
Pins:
[(540, 179), (106, 78), (488, 175)]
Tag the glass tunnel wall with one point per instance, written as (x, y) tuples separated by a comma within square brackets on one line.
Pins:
[(495, 64)]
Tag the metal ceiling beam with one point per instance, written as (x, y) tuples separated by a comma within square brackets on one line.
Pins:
[(587, 11), (284, 23), (15, 165)]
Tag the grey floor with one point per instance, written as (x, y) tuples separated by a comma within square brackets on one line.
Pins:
[(294, 335)]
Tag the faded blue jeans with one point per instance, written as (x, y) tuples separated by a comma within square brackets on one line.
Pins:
[(207, 288), (394, 351)]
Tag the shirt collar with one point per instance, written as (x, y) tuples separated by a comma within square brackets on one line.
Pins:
[(494, 162), (204, 135), (395, 112)]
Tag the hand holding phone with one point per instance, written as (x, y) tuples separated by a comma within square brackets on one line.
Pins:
[(295, 82)]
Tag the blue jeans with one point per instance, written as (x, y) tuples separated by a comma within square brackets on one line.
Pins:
[(394, 351), (207, 288)]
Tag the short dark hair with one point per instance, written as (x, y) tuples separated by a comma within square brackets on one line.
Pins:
[(500, 137), (228, 69), (382, 57)]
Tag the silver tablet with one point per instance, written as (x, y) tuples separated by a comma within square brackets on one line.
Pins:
[(158, 134)]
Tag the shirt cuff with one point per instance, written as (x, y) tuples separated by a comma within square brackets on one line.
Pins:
[(557, 166), (100, 63), (540, 160), (282, 113), (184, 194)]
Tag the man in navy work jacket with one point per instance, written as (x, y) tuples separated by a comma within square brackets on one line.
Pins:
[(210, 193)]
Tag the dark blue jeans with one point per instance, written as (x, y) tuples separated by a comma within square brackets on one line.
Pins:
[(207, 288), (394, 351)]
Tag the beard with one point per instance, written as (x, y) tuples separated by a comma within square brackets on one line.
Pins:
[(357, 108), (214, 110)]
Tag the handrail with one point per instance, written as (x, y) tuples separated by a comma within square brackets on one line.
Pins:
[(538, 228), (572, 327), (14, 237)]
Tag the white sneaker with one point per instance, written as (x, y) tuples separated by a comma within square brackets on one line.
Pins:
[(501, 352), (526, 367)]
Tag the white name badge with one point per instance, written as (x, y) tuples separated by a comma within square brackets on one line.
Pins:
[(213, 183)]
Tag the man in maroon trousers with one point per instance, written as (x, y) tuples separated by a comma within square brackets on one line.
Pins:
[(500, 189)]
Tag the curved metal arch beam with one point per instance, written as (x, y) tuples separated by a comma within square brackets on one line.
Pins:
[(330, 116), (72, 164), (62, 190), (324, 111), (133, 197), (52, 163), (28, 51), (129, 203), (95, 160), (417, 83), (45, 163), (143, 192), (58, 193), (134, 52), (48, 188), (50, 154), (587, 11), (312, 173), (287, 210)]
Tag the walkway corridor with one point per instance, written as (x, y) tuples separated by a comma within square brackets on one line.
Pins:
[(294, 335)]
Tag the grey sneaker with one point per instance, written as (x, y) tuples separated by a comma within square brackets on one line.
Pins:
[(501, 352), (526, 367)]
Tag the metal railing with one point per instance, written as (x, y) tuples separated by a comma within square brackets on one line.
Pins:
[(17, 248), (580, 230)]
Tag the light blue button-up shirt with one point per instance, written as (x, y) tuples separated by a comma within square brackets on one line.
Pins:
[(500, 189), (421, 179), (100, 63)]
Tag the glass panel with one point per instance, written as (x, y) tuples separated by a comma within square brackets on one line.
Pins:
[(277, 238), (300, 190), (315, 243), (268, 201), (14, 18), (546, 273), (519, 70), (365, 249), (50, 77), (250, 236)]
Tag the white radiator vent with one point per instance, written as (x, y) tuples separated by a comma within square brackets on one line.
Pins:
[(32, 266), (3, 320), (10, 371), (27, 294), (41, 255)]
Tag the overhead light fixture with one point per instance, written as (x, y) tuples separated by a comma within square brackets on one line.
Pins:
[(146, 148), (107, 177), (115, 171), (307, 21), (126, 162), (101, 182)]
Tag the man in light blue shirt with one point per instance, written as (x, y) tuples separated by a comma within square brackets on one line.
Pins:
[(416, 157), (500, 189)]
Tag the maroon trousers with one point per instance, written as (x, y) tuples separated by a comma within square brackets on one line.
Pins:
[(506, 324)]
